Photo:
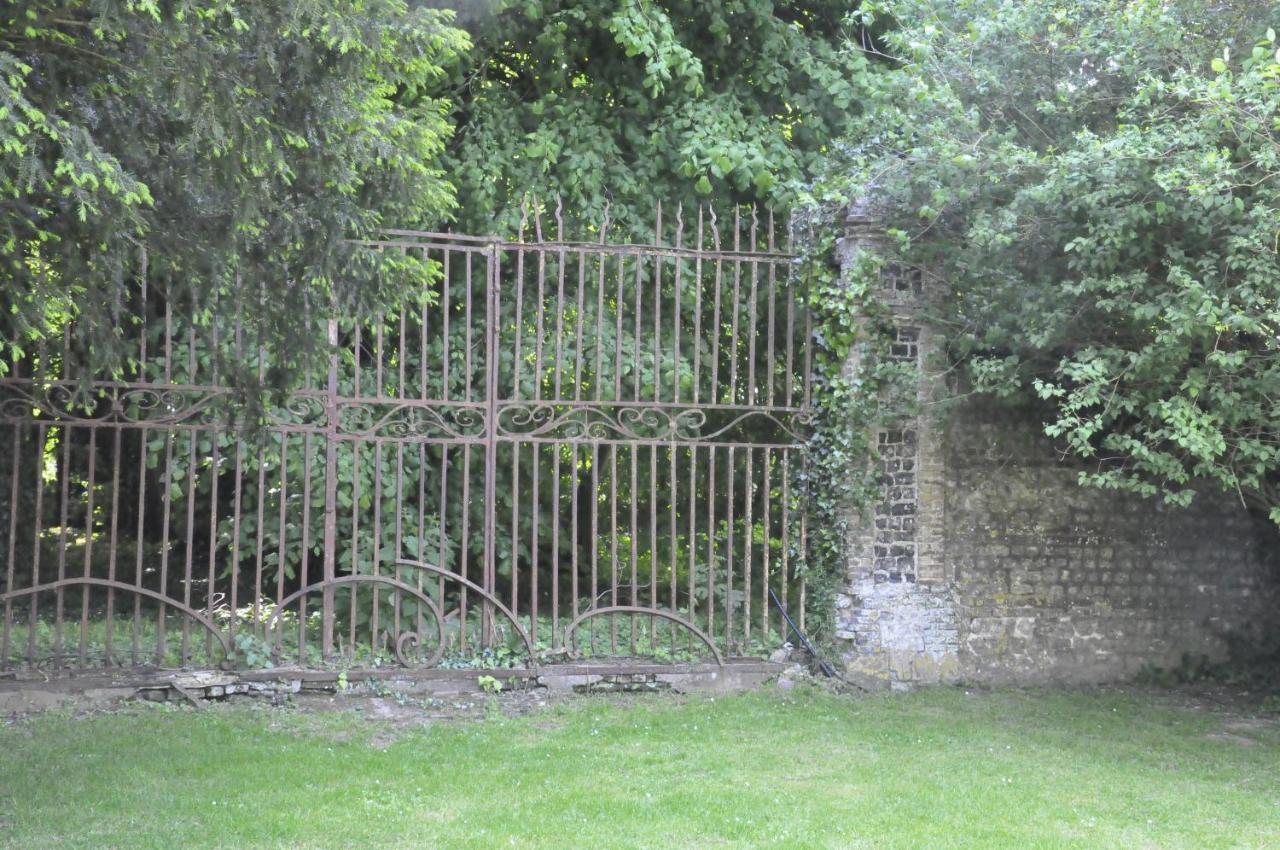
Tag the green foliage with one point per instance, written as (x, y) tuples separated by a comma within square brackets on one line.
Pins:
[(629, 102), (227, 151), (1097, 182), (254, 652)]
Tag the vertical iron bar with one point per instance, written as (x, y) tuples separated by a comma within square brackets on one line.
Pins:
[(164, 542), (804, 544), (33, 612), (137, 567), (748, 541), (441, 542), (716, 329), (613, 540), (577, 349), (517, 361), (711, 541), (574, 535), (617, 331), (211, 588), (236, 501), (767, 542), (64, 476), (730, 487), (444, 319), (90, 506), (785, 555), (113, 542), (282, 539), (259, 541), (657, 309), (753, 317), (376, 559), (468, 324), (535, 472), (737, 303), (634, 531), (493, 323), (691, 525), (771, 370), (356, 487), (515, 526), (653, 540), (698, 285), (595, 531), (672, 540), (559, 324), (598, 376), (331, 490), (11, 564), (304, 550), (676, 299), (638, 284), (538, 340), (420, 553), (188, 570), (464, 554), (555, 540)]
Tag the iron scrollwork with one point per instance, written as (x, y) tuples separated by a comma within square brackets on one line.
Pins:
[(657, 423), (403, 420), (155, 406)]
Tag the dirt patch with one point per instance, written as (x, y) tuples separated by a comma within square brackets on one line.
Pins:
[(1232, 738), (1251, 724), (382, 720)]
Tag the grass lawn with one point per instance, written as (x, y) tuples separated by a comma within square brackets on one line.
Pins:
[(936, 768)]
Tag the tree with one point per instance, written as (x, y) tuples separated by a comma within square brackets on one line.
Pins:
[(226, 151), (635, 101), (1097, 184)]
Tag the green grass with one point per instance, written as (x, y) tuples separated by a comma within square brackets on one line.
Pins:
[(937, 768)]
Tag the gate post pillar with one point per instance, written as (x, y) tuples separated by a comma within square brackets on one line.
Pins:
[(895, 618)]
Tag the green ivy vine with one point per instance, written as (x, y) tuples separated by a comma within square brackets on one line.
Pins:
[(857, 389)]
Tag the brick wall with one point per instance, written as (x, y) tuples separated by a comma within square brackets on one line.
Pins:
[(984, 560)]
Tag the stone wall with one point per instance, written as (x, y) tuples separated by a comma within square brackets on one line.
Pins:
[(986, 562), (1055, 582)]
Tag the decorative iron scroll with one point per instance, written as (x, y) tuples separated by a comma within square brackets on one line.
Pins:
[(571, 631), (404, 420), (521, 632), (401, 641), (603, 421), (599, 422), (153, 406), (780, 426)]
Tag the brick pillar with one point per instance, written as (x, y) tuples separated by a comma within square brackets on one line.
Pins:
[(896, 618)]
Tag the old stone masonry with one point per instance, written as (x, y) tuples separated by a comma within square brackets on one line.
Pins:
[(986, 562)]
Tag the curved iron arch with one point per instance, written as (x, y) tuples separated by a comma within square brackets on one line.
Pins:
[(223, 640), (402, 639), (571, 631), (497, 603)]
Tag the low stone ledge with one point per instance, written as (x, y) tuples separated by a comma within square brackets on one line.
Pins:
[(23, 695)]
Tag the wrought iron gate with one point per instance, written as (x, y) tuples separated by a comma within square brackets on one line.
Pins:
[(566, 446)]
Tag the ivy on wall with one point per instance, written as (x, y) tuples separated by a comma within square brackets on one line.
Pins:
[(857, 390)]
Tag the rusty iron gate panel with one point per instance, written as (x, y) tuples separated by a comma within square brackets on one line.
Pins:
[(565, 447)]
